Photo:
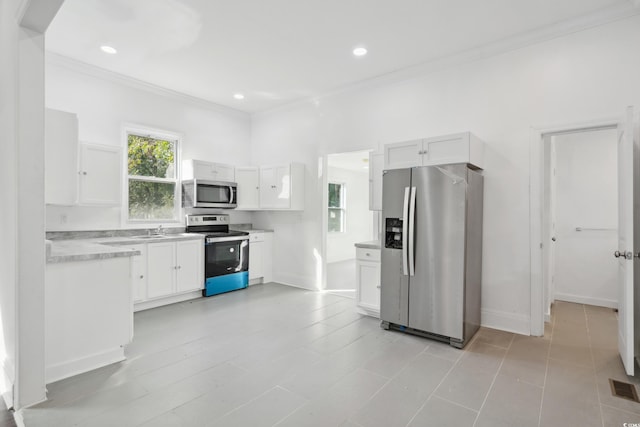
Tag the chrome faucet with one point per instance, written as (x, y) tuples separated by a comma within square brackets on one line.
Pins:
[(159, 230)]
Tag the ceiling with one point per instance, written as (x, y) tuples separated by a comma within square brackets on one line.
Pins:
[(279, 51)]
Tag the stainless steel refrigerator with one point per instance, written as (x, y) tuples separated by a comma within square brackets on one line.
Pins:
[(432, 251)]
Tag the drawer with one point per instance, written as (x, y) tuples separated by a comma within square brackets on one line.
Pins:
[(256, 237), (366, 254)]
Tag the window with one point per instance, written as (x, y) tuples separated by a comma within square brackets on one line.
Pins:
[(337, 208), (152, 182)]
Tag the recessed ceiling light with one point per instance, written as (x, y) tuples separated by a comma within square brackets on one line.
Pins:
[(108, 49), (360, 51), (238, 96)]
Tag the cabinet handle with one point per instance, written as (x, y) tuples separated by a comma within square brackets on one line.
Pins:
[(378, 286), (83, 172), (367, 254), (142, 276)]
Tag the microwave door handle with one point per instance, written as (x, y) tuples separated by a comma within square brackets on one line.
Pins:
[(405, 231), (230, 195), (412, 232)]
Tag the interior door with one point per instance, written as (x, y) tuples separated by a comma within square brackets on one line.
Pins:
[(627, 153)]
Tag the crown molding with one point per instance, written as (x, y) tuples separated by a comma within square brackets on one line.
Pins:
[(520, 41), (56, 59)]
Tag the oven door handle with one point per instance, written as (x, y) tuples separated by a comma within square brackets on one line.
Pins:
[(230, 194), (212, 240)]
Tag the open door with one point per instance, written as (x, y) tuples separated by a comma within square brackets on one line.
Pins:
[(626, 253)]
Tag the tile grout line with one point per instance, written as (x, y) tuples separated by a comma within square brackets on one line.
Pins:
[(493, 381), (546, 370), (453, 403), (593, 367), (457, 361)]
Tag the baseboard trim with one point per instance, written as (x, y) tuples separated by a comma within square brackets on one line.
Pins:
[(505, 321), (600, 302), (172, 299), (78, 366), (282, 282)]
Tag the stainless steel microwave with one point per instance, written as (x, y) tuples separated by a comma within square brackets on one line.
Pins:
[(198, 193)]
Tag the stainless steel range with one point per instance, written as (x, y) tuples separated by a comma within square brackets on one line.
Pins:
[(226, 253)]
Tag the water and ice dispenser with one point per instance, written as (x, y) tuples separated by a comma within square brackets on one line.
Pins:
[(393, 233)]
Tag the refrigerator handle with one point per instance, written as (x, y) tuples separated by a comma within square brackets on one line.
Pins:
[(412, 231), (405, 228)]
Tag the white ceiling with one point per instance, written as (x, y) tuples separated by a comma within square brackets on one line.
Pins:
[(357, 161), (279, 51)]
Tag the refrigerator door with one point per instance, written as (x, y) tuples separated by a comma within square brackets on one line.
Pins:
[(436, 291), (394, 279)]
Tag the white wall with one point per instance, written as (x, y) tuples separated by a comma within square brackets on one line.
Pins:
[(587, 197), (104, 103), (359, 219), (586, 75), (8, 190)]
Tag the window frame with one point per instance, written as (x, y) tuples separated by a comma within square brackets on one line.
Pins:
[(342, 208), (148, 132)]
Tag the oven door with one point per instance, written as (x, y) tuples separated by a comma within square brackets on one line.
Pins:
[(226, 256)]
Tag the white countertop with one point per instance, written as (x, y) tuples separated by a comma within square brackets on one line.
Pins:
[(105, 247), (371, 244)]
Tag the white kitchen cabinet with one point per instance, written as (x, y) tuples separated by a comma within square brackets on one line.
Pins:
[(441, 150), (260, 257), (61, 157), (190, 263), (376, 166), (139, 273), (368, 281), (100, 175), (282, 187), (172, 268), (161, 269), (199, 169), (248, 180)]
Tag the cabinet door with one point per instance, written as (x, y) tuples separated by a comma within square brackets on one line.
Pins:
[(224, 172), (267, 186), (402, 155), (203, 170), (283, 187), (139, 273), (161, 262), (267, 257), (446, 150), (190, 263), (376, 165), (100, 174), (248, 179), (255, 260), (368, 279), (60, 158)]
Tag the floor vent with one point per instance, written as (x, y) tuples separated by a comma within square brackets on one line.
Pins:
[(624, 390)]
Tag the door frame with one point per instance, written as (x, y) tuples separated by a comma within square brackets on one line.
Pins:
[(537, 281)]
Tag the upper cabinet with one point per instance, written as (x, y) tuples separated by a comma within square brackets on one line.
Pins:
[(100, 174), (248, 180), (282, 187), (92, 178), (61, 157), (442, 150), (198, 169)]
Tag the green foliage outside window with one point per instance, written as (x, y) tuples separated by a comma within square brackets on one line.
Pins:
[(336, 208), (155, 158)]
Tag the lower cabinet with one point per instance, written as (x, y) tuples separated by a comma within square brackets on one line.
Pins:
[(166, 272), (368, 281), (260, 257)]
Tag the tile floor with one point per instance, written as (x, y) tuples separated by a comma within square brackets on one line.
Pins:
[(279, 356)]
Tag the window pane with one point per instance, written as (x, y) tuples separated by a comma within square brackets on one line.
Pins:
[(151, 200), (335, 196), (336, 220), (151, 157)]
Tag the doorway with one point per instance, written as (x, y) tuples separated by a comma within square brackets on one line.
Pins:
[(580, 216), (349, 220)]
